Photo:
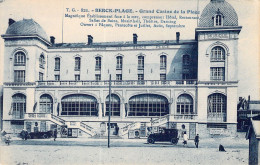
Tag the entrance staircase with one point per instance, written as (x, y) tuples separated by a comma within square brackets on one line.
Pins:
[(135, 125), (59, 121), (82, 126)]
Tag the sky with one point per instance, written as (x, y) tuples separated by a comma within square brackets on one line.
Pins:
[(49, 14)]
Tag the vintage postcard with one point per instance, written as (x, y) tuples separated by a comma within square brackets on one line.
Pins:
[(129, 82)]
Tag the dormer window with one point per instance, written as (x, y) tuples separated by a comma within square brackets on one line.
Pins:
[(218, 19)]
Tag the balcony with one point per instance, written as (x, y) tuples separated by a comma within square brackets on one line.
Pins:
[(19, 84), (124, 83), (117, 83)]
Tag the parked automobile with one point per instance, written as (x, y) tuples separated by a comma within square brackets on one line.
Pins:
[(40, 135), (165, 135)]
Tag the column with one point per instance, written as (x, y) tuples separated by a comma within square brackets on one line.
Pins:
[(99, 110), (122, 110)]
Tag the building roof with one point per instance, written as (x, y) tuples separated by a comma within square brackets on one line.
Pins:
[(26, 27), (229, 13), (122, 44)]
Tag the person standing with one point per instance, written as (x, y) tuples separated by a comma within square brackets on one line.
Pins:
[(196, 140), (23, 134), (185, 139), (26, 134), (55, 134)]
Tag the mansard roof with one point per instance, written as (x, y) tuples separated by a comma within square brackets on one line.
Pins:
[(26, 27), (218, 6)]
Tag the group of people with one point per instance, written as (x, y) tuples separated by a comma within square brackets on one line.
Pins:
[(5, 138), (185, 139), (24, 134)]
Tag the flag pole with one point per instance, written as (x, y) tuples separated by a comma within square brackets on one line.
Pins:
[(197, 14), (62, 21), (109, 113)]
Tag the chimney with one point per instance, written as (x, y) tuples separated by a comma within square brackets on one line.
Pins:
[(135, 38), (11, 21), (177, 37), (248, 98), (90, 40), (52, 39), (240, 98)]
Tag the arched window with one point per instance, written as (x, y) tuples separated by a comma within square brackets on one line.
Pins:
[(98, 63), (19, 106), (46, 104), (79, 104), (19, 59), (217, 54), (148, 105), (185, 104), (77, 63), (115, 105), (217, 107), (163, 61), (140, 62), (41, 61), (57, 64), (119, 62)]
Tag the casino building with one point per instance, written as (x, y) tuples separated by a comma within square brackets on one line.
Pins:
[(184, 84)]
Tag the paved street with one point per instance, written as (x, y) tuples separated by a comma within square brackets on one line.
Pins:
[(123, 151)]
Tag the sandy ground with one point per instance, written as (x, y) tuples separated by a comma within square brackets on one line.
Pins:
[(123, 151)]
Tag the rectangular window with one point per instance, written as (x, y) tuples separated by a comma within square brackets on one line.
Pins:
[(217, 73), (140, 62), (19, 76), (77, 63), (57, 64), (98, 63), (140, 76), (162, 76), (98, 77), (119, 77), (40, 76), (77, 77), (119, 63), (163, 62), (57, 77)]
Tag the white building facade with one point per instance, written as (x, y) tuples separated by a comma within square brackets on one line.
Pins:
[(176, 83)]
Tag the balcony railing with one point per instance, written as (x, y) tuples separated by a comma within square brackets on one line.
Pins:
[(122, 83), (37, 116), (185, 116), (43, 116), (118, 83), (19, 83)]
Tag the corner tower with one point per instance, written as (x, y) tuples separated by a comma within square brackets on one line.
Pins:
[(217, 37)]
